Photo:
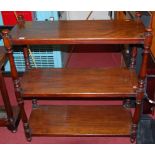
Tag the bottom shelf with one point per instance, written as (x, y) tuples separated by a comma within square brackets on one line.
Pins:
[(79, 120)]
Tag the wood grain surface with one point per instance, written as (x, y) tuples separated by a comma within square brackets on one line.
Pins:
[(79, 32), (78, 120), (73, 82)]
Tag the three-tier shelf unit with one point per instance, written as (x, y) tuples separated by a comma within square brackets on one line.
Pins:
[(79, 83)]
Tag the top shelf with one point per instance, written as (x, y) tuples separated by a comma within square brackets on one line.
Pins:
[(79, 32)]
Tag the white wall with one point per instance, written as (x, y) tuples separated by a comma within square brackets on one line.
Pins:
[(82, 15)]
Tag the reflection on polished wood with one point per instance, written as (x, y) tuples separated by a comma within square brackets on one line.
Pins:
[(79, 32), (73, 82), (79, 120)]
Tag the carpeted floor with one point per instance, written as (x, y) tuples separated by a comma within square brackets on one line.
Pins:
[(80, 59)]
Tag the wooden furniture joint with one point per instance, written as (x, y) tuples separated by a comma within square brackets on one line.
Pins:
[(67, 83)]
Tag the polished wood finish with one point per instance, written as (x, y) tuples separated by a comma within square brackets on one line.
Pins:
[(133, 57), (153, 31), (9, 116), (120, 15), (73, 82), (79, 32), (16, 81), (3, 56), (79, 120), (26, 58), (141, 82)]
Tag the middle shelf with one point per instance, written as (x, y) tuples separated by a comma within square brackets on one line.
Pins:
[(74, 82)]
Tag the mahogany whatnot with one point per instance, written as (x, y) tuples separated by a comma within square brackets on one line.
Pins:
[(116, 82)]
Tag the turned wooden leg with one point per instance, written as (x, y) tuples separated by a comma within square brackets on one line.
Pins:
[(20, 21), (26, 57), (133, 133), (141, 81), (22, 110), (17, 86), (34, 103), (135, 123), (7, 104), (133, 58), (127, 102)]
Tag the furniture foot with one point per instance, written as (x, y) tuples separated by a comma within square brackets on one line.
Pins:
[(133, 133), (12, 127), (27, 132)]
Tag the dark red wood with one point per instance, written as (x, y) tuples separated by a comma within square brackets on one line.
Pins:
[(84, 83), (20, 21), (12, 117), (138, 16), (79, 83), (80, 120), (142, 76), (133, 58), (14, 74), (26, 58)]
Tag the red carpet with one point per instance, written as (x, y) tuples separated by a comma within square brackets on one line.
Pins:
[(80, 59)]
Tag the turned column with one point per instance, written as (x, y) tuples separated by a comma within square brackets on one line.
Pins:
[(20, 21), (21, 25), (127, 102), (134, 48), (7, 104), (16, 81), (26, 58), (141, 82), (133, 57), (138, 16)]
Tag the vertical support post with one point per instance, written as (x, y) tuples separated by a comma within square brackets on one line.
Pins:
[(7, 104), (120, 15), (142, 76), (138, 16), (127, 102), (26, 58), (133, 57), (21, 24), (16, 81), (34, 103), (20, 21)]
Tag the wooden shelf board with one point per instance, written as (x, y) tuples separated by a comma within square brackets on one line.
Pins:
[(79, 32), (71, 82), (79, 120)]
